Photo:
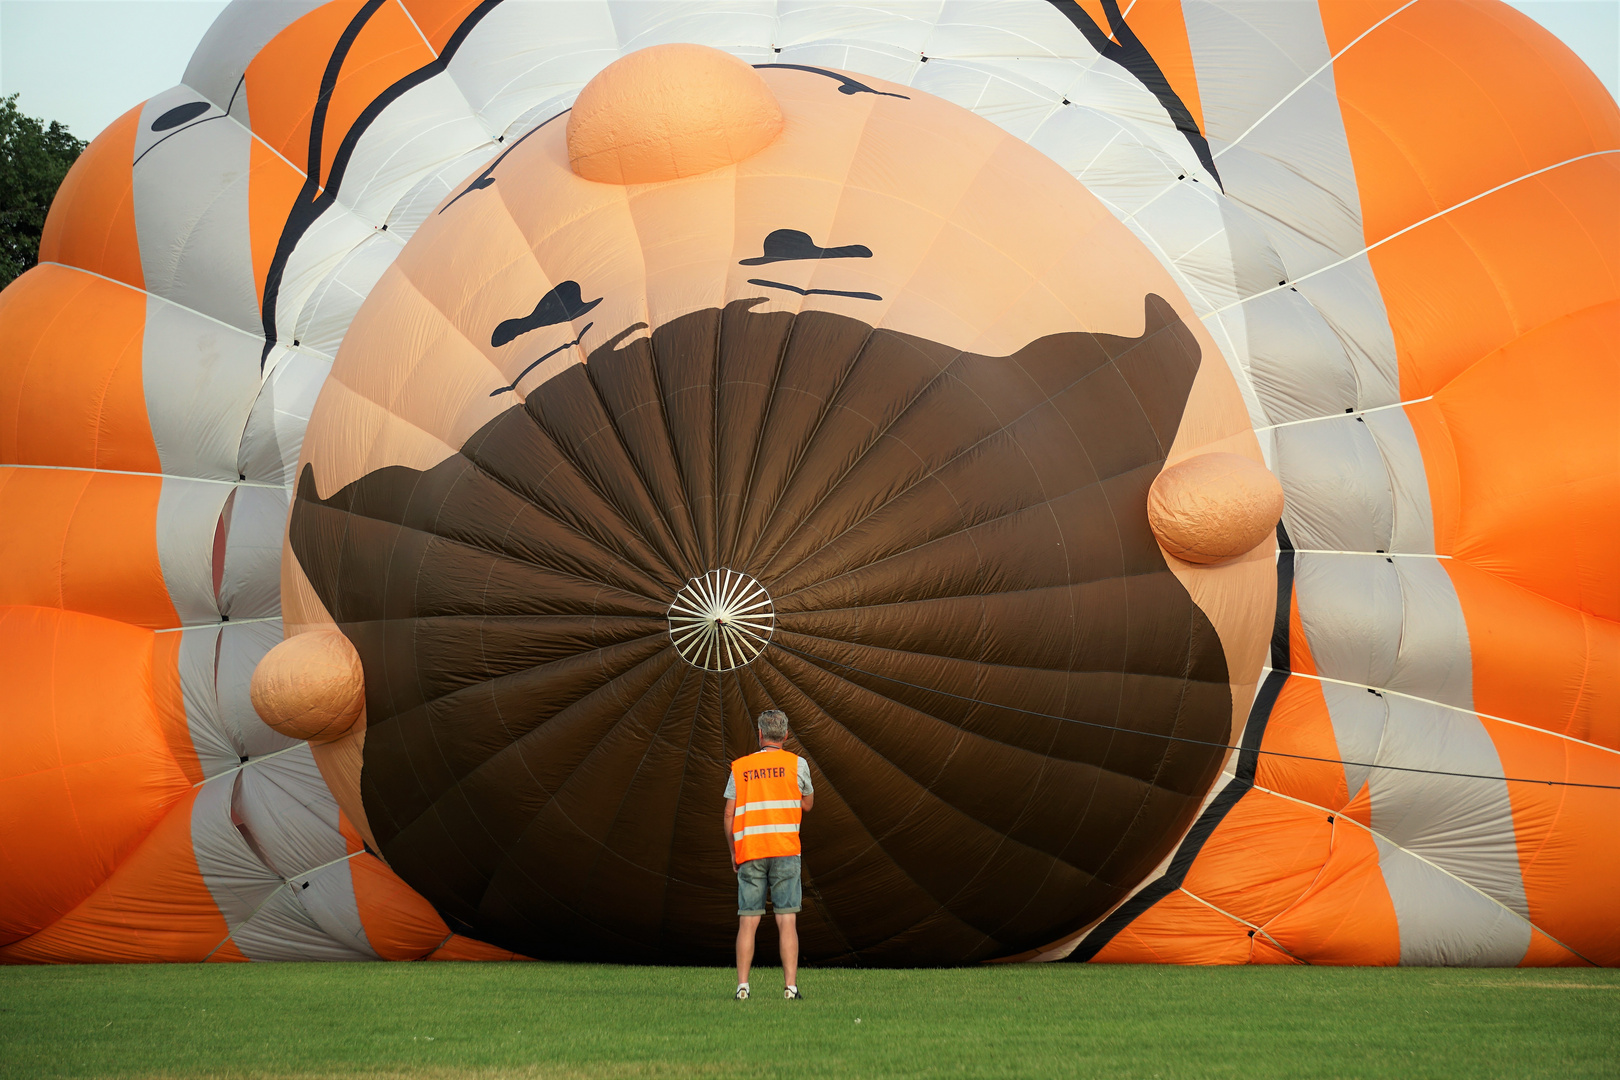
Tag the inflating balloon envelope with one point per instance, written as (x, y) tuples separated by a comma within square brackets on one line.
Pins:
[(1160, 475)]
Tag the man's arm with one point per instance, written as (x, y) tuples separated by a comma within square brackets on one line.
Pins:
[(807, 791), (731, 841)]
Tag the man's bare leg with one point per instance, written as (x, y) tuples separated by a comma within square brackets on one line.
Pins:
[(746, 925), (787, 928)]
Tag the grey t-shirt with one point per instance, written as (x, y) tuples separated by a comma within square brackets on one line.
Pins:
[(805, 787)]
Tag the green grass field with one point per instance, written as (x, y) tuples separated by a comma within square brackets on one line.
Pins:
[(577, 1021)]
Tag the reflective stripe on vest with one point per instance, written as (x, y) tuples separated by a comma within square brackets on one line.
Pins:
[(765, 824)]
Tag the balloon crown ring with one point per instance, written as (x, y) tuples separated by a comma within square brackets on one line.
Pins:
[(722, 620)]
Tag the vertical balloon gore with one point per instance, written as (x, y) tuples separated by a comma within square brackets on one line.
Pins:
[(1213, 507), (311, 686), (669, 112)]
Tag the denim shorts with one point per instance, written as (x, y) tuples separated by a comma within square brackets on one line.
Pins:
[(782, 873)]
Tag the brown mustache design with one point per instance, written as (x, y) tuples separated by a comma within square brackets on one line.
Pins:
[(542, 765)]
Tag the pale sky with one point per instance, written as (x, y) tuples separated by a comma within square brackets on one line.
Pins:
[(85, 62)]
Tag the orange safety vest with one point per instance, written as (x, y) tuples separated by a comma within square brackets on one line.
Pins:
[(766, 822)]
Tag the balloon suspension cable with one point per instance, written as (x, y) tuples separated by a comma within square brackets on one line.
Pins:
[(1184, 739)]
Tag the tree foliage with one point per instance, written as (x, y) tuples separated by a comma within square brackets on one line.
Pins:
[(34, 158)]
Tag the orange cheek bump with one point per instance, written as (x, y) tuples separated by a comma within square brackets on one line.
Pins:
[(1214, 507), (311, 686)]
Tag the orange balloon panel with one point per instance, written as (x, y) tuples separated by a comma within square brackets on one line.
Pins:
[(1299, 646), (92, 220), (399, 924), (1539, 662), (71, 373), (1346, 916), (91, 544), (460, 948), (88, 771), (1505, 311), (440, 19), (285, 80), (1160, 26), (1307, 883), (273, 188), (168, 692), (1263, 951), (1180, 930), (1292, 841), (1300, 724), (1527, 488), (1492, 271), (1428, 131), (1545, 952), (1307, 880), (1565, 838), (155, 907)]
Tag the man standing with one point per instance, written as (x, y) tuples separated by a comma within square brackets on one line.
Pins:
[(765, 798)]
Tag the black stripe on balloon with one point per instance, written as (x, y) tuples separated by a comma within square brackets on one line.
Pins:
[(299, 218), (314, 198), (1242, 781), (1126, 49)]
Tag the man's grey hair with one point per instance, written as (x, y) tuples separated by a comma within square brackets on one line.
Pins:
[(773, 724)]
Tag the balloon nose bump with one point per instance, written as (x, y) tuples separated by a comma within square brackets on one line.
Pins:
[(1212, 508), (668, 112), (311, 686)]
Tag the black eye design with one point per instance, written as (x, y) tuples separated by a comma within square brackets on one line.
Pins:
[(179, 115), (562, 304), (791, 245), (788, 245)]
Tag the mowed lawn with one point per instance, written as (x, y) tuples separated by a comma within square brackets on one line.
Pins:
[(568, 1021)]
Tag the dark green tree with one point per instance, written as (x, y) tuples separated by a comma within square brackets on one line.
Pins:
[(33, 160)]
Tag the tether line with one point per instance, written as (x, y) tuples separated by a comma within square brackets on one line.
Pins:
[(1185, 739)]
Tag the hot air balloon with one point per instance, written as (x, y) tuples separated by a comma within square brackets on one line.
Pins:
[(1162, 461)]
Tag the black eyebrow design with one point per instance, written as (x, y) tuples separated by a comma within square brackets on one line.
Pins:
[(543, 359), (849, 85), (814, 292), (487, 177), (172, 134), (791, 245)]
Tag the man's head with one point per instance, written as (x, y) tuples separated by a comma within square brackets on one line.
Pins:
[(773, 725)]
